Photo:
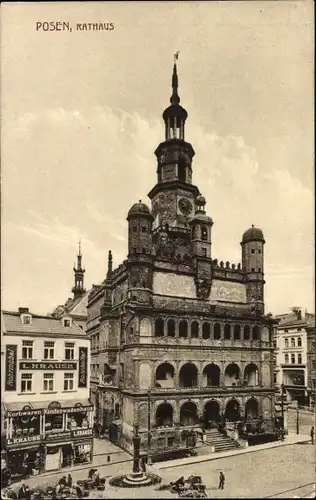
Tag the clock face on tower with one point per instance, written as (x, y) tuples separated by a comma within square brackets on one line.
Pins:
[(185, 206)]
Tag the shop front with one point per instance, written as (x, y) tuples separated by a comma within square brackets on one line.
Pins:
[(50, 438)]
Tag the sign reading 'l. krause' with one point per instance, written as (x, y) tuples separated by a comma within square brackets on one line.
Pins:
[(10, 367), (51, 365), (83, 367)]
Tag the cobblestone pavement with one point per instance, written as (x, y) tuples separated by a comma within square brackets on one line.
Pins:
[(285, 472)]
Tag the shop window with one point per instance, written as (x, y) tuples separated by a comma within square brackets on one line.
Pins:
[(26, 425), (69, 350), (49, 350), (27, 349), (286, 358), (26, 382), (293, 359), (299, 359), (286, 342), (48, 382), (299, 342), (54, 423), (68, 382), (77, 420)]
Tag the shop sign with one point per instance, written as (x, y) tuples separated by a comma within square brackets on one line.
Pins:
[(57, 435), (10, 367), (83, 367), (52, 365), (83, 432), (26, 413), (74, 409), (25, 439)]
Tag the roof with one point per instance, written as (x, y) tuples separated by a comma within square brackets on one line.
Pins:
[(40, 324), (253, 234), (291, 321), (74, 307), (139, 209)]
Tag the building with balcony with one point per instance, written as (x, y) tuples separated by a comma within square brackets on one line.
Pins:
[(180, 340), (291, 354), (47, 414)]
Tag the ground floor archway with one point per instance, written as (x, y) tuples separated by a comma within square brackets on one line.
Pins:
[(211, 414)]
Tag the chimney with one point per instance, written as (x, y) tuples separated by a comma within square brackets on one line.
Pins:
[(23, 310)]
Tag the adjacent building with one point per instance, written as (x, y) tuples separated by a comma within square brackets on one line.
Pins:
[(47, 414), (180, 339), (293, 364), (311, 361)]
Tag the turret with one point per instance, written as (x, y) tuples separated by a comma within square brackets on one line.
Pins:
[(201, 227), (139, 252), (78, 289), (253, 265)]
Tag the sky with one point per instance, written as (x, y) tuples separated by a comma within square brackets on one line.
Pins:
[(81, 118)]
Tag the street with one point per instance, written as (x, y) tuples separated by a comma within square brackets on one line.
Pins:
[(283, 472)]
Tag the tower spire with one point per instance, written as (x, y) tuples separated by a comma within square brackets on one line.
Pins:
[(110, 262), (78, 288), (175, 99)]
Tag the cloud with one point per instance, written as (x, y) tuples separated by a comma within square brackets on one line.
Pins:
[(78, 171)]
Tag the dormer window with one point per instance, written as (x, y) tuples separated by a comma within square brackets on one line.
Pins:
[(67, 322), (26, 319)]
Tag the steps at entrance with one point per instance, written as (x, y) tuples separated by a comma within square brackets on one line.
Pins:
[(219, 441)]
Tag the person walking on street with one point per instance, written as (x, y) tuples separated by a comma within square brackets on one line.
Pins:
[(221, 481), (312, 434)]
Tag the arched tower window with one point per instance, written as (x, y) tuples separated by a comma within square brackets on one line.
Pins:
[(217, 331), (286, 342), (299, 359), (292, 342), (299, 342), (227, 332), (246, 332), (204, 233), (286, 358), (236, 332), (206, 330), (159, 327), (255, 333), (194, 329), (293, 359), (183, 328), (171, 328)]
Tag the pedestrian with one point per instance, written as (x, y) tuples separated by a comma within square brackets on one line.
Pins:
[(69, 480), (221, 481), (312, 434)]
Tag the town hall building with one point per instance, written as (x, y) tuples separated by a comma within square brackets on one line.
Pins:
[(179, 339)]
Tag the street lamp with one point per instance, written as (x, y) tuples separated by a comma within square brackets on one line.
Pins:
[(149, 423), (282, 410), (297, 420)]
